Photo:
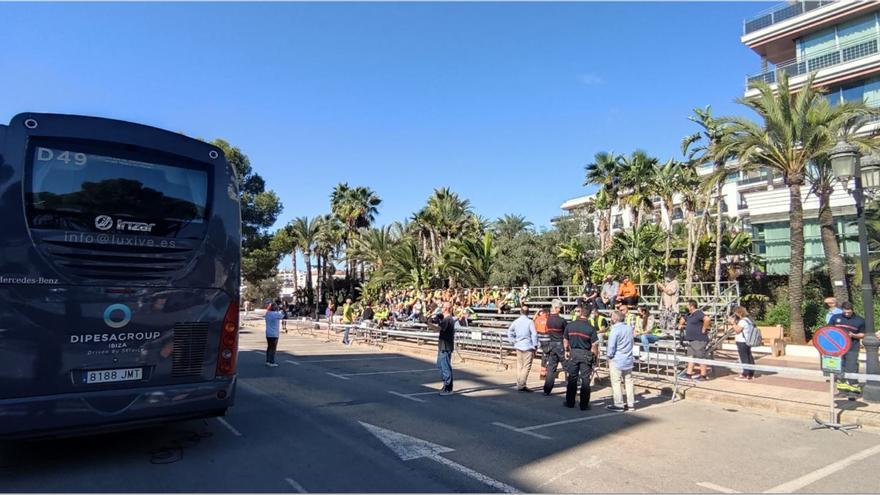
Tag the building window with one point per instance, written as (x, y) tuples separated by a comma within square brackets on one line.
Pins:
[(677, 213)]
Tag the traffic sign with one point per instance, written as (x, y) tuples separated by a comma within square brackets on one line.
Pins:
[(832, 341)]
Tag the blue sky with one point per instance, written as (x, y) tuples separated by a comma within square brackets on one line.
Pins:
[(504, 103)]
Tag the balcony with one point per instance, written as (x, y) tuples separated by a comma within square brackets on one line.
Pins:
[(780, 13), (853, 50)]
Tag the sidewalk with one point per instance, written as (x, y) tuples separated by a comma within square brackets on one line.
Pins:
[(801, 397)]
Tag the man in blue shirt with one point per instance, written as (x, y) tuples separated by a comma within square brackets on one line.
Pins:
[(620, 362), (833, 309), (524, 337)]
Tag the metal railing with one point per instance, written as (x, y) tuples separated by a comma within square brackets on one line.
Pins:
[(779, 13), (852, 50)]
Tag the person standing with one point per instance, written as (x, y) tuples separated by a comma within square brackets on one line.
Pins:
[(668, 292), (581, 342), (347, 320), (696, 333), (543, 339), (620, 363), (608, 297), (854, 325), (273, 316), (833, 309), (555, 349), (445, 346), (524, 337), (744, 328)]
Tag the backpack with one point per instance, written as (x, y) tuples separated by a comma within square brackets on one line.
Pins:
[(753, 338)]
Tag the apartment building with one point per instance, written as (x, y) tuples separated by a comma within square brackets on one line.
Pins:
[(840, 42)]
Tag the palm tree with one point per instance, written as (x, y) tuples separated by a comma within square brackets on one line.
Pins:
[(705, 147), (575, 253), (355, 207), (636, 183), (328, 242), (821, 180), (795, 129), (471, 260), (373, 246), (669, 182), (605, 173), (509, 226), (305, 232), (637, 251), (404, 267)]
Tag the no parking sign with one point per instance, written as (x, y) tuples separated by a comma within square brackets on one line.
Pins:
[(832, 342)]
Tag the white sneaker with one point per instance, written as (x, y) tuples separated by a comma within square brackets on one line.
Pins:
[(272, 365)]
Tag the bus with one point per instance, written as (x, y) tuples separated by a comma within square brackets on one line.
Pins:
[(120, 252)]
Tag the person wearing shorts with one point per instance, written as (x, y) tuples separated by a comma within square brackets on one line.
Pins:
[(696, 333)]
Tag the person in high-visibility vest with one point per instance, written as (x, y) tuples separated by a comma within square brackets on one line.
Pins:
[(543, 339)]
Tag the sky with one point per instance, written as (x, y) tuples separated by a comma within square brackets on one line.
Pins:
[(505, 103)]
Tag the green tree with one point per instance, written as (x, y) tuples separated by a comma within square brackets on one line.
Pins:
[(575, 254), (471, 261), (795, 129), (604, 172), (259, 211), (705, 147), (637, 173), (509, 226), (356, 208), (306, 231)]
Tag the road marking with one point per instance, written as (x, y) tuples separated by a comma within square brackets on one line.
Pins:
[(389, 372), (527, 430), (480, 389), (291, 362), (341, 377), (519, 430), (296, 486), (409, 448), (592, 462), (406, 396), (810, 478), (354, 359), (229, 426), (717, 488)]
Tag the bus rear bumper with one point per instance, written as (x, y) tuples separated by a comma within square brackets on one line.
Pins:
[(95, 412)]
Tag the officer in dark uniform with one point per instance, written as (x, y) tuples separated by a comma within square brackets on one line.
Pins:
[(555, 349), (581, 341)]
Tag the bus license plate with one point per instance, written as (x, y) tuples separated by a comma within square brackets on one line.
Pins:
[(120, 375)]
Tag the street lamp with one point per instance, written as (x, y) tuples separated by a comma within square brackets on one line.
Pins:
[(846, 164)]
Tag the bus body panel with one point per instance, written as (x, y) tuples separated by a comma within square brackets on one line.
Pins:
[(81, 295)]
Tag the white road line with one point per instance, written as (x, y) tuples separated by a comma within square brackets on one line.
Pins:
[(481, 389), (389, 372), (354, 359), (406, 396), (296, 486), (502, 487), (520, 430), (341, 377), (810, 478), (229, 426), (291, 362), (592, 462), (717, 488), (590, 418)]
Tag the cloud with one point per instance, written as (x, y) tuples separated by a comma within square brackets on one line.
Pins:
[(590, 79)]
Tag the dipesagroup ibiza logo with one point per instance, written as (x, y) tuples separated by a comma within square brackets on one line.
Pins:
[(103, 222), (111, 315)]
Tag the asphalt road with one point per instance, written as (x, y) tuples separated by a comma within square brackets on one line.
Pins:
[(334, 418)]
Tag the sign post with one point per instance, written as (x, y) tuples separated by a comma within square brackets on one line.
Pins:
[(832, 343)]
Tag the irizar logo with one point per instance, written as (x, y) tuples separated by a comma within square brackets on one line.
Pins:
[(104, 222), (111, 315)]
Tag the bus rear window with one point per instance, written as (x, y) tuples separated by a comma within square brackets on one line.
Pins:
[(69, 183)]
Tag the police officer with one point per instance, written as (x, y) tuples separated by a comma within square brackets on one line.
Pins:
[(854, 325), (581, 341), (555, 350)]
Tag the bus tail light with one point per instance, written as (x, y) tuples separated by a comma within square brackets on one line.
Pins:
[(228, 342)]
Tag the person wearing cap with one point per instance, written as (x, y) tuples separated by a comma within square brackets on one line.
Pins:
[(854, 325), (555, 349)]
